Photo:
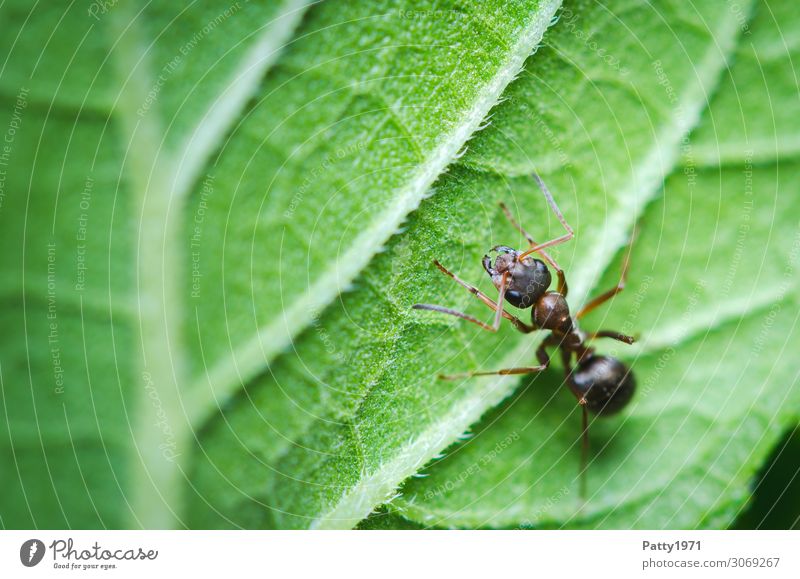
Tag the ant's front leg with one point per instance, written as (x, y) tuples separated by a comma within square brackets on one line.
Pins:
[(498, 309)]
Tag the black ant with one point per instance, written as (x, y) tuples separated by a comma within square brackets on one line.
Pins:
[(602, 384)]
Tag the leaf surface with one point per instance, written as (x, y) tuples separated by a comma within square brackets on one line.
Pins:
[(713, 294), (352, 128), (334, 426), (89, 424), (183, 199)]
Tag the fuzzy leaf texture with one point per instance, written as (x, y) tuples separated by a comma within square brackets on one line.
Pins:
[(603, 113), (186, 188)]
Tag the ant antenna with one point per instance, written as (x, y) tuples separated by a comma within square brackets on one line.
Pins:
[(552, 202)]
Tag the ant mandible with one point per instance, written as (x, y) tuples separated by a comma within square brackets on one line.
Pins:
[(602, 384)]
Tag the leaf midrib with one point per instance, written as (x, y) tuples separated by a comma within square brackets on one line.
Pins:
[(650, 173), (228, 375), (161, 182)]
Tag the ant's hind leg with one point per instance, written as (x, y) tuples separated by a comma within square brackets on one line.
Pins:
[(541, 356), (566, 360), (584, 449)]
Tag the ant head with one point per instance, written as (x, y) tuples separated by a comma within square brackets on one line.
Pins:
[(528, 278), (605, 383)]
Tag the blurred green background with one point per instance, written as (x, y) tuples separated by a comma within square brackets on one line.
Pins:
[(215, 217)]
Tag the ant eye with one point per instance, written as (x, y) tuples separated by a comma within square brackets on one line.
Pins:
[(516, 299)]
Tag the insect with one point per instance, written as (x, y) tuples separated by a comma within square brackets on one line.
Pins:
[(602, 384)]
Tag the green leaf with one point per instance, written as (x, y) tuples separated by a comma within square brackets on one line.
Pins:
[(90, 428), (350, 135), (751, 115), (382, 520), (175, 213), (713, 293), (334, 426), (775, 503)]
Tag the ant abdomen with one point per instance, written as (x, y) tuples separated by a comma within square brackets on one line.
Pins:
[(605, 383)]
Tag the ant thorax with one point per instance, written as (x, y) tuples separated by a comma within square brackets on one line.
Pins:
[(551, 312)]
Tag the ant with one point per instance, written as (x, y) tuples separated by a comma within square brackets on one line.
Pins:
[(602, 384)]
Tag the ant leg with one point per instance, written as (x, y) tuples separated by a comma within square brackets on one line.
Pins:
[(605, 296), (562, 281), (584, 449), (562, 288), (503, 372), (451, 312), (518, 324), (566, 360), (611, 334), (541, 356), (527, 235), (501, 299), (550, 201)]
